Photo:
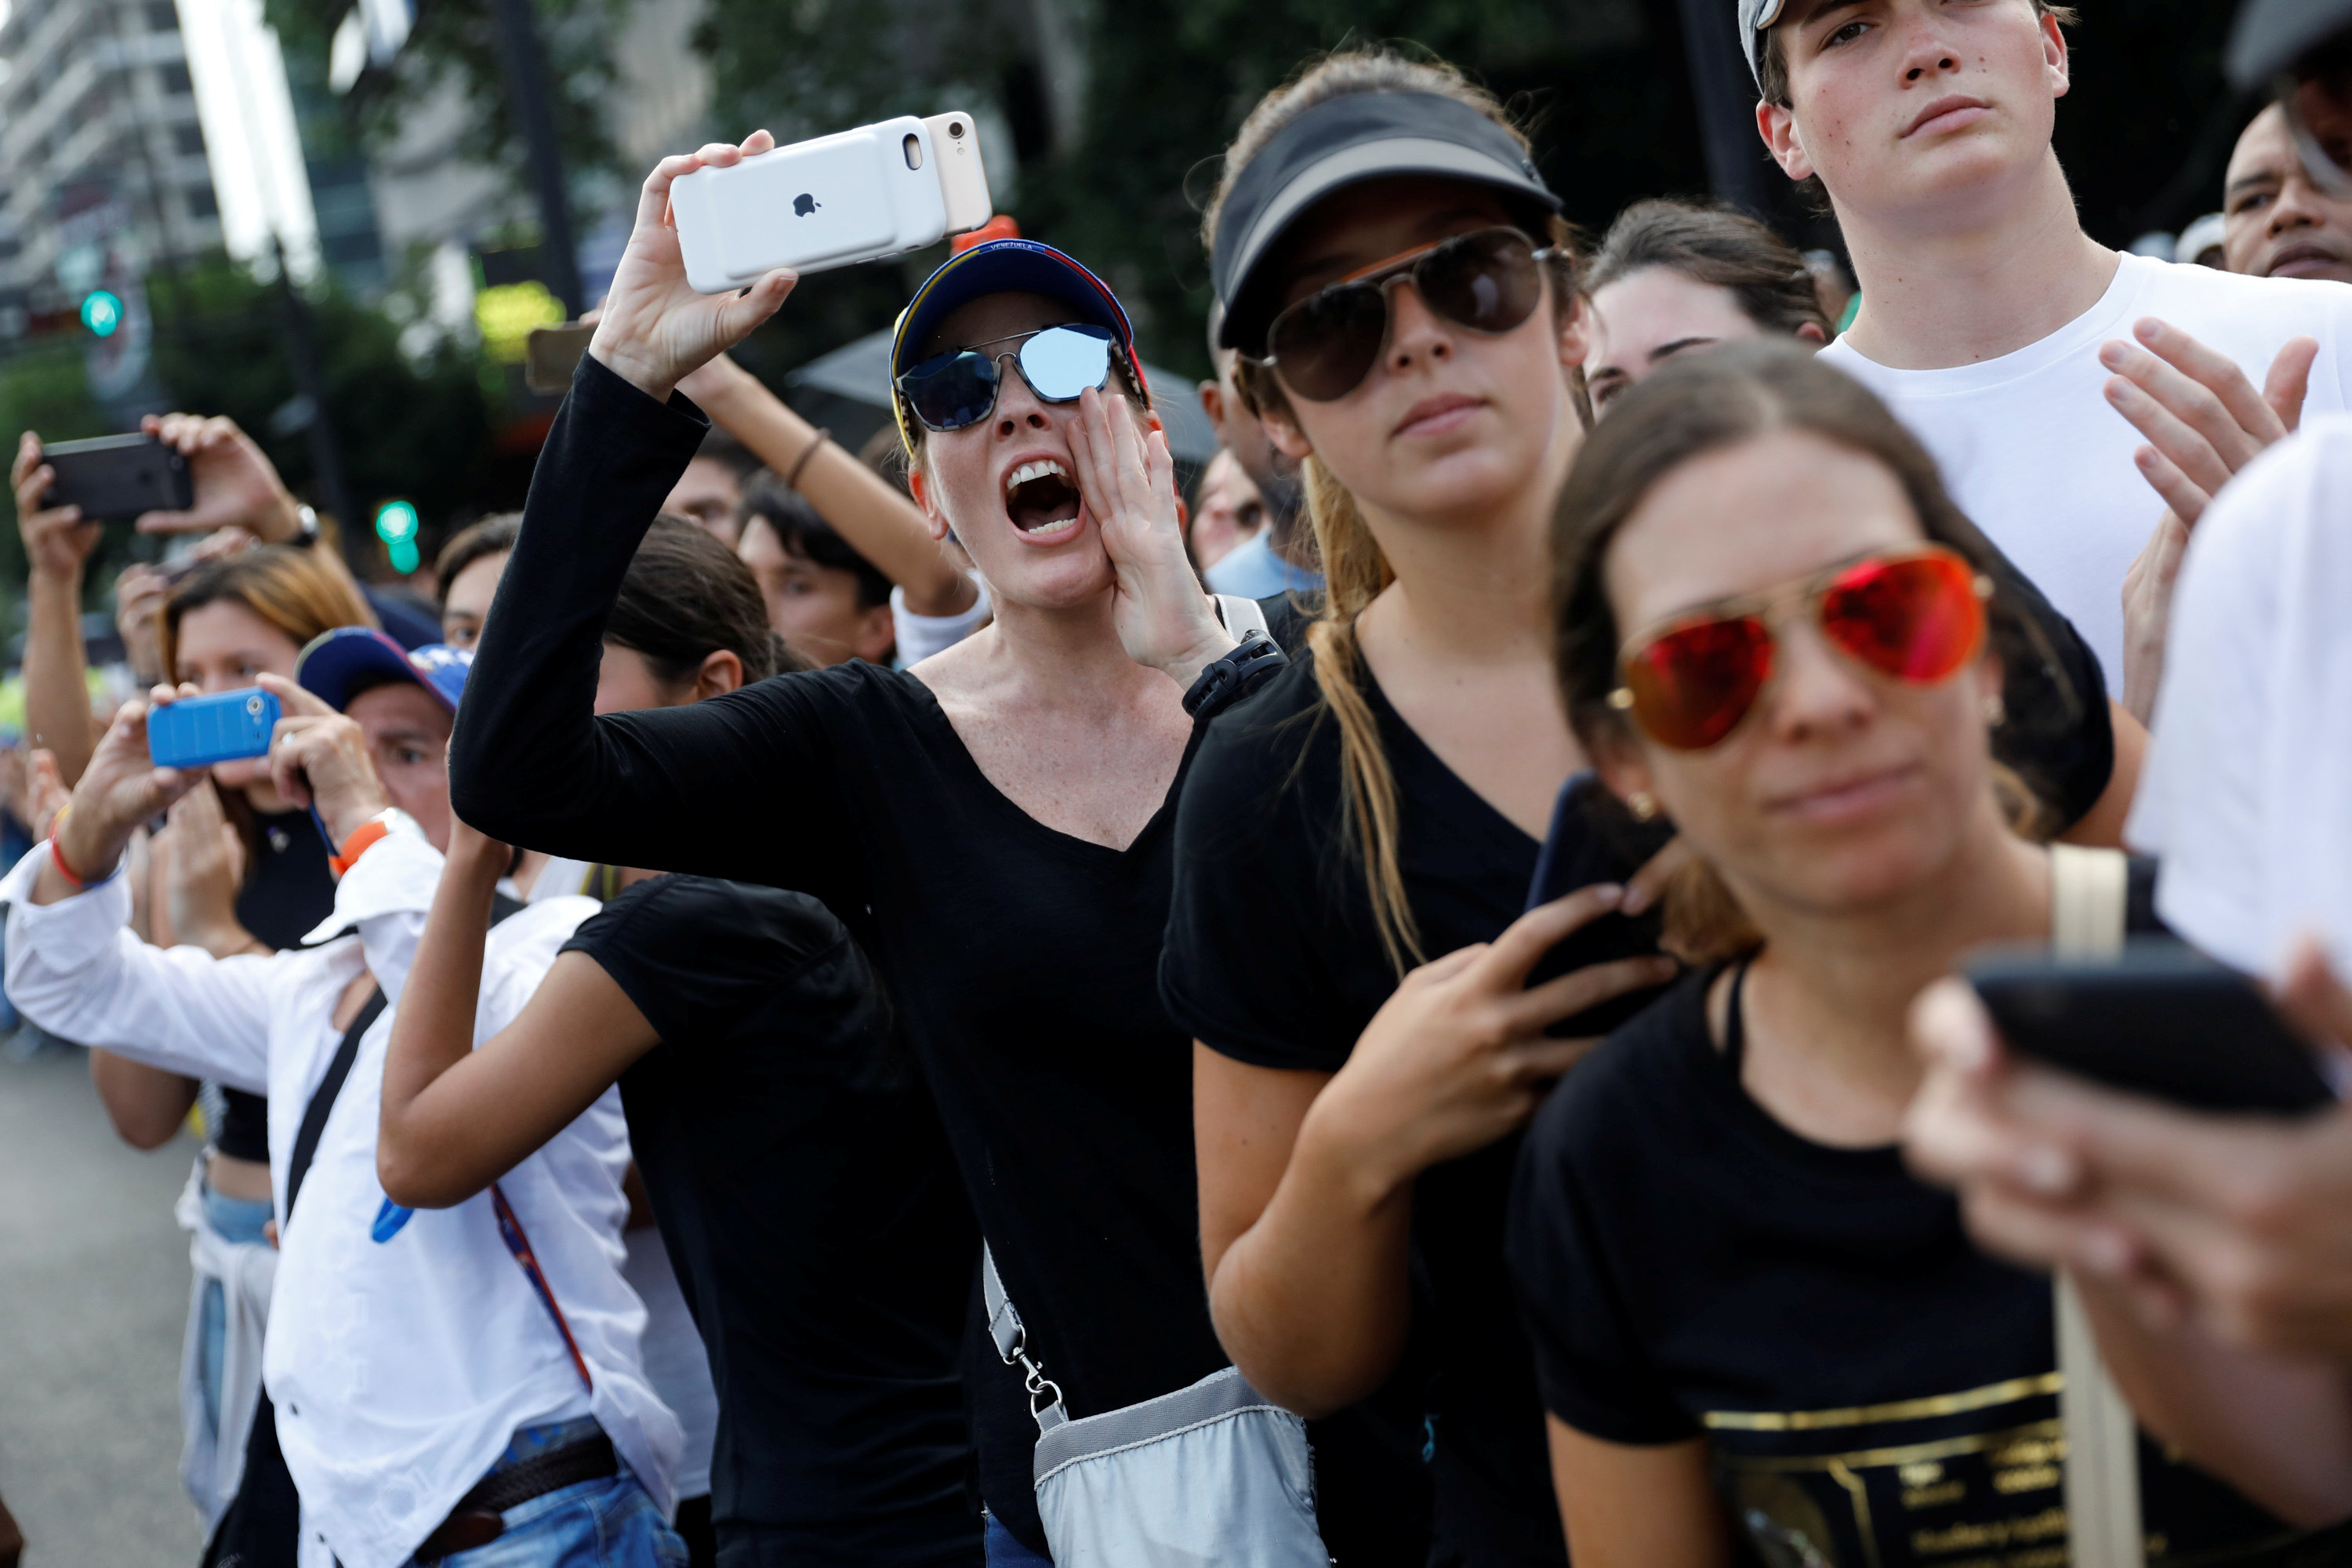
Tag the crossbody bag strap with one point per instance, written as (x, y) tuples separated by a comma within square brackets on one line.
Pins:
[(323, 1099), (2089, 899), (518, 1241), (1011, 1338), (510, 1230), (393, 1217)]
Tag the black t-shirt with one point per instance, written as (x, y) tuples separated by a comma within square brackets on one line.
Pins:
[(1272, 958), (1020, 960), (817, 1223), (287, 891), (1866, 1379)]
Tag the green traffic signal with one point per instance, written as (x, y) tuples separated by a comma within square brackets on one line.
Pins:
[(396, 521), (101, 312), (403, 555)]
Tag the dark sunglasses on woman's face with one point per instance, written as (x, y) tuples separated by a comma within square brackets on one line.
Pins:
[(1323, 346), (959, 388)]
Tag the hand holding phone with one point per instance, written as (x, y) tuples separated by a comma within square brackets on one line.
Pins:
[(653, 326), (121, 788), (2161, 1020), (57, 537), (1593, 840), (197, 732)]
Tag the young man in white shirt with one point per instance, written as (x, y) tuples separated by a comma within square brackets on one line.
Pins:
[(2215, 1252), (1992, 324), (433, 1394)]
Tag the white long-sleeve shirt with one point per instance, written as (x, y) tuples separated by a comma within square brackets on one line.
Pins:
[(399, 1369)]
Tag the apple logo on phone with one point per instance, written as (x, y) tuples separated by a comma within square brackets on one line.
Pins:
[(803, 204)]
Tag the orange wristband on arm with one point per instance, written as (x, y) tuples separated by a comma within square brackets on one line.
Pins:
[(365, 837), (58, 859)]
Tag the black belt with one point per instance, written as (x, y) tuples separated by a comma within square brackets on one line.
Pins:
[(477, 1522)]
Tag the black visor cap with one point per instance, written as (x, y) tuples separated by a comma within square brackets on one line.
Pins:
[(1343, 141)]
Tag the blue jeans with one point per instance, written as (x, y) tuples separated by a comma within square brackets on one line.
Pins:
[(608, 1523), (232, 1219), (1004, 1549)]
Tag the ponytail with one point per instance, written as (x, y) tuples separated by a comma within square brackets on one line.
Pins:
[(1354, 573)]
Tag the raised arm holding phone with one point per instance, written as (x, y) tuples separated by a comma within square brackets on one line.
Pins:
[(996, 823)]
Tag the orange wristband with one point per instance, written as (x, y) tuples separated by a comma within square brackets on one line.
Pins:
[(58, 859), (363, 838)]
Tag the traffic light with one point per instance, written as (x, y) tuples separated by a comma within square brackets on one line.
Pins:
[(101, 312), (396, 524)]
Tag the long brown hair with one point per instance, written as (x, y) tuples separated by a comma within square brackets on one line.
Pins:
[(1355, 569), (288, 588), (1724, 398)]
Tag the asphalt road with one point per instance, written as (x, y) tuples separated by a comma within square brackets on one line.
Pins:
[(93, 1302)]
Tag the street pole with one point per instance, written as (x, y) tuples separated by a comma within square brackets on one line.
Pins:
[(1726, 97), (319, 430), (526, 67)]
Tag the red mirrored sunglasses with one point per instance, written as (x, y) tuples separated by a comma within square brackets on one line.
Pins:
[(1918, 616)]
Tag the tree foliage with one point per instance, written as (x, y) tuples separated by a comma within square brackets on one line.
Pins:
[(454, 44)]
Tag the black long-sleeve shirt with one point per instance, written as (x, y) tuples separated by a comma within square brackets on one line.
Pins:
[(1021, 960)]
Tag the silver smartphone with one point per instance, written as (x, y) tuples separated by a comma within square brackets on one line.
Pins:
[(853, 197)]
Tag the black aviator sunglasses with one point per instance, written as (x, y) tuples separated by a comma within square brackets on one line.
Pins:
[(1489, 280)]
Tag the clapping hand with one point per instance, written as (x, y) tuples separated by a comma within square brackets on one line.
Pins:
[(2204, 421), (653, 329)]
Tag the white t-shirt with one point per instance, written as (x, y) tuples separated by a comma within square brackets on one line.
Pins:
[(2038, 458), (2247, 791), (919, 637)]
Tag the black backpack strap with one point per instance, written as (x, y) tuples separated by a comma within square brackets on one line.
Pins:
[(323, 1099)]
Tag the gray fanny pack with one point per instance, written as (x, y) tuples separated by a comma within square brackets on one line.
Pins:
[(1215, 1473)]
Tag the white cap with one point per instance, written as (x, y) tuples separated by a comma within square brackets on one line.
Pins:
[(1755, 17), (2208, 233)]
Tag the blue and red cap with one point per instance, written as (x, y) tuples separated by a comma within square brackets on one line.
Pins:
[(336, 661), (1005, 266)]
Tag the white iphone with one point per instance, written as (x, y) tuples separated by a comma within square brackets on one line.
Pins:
[(856, 195)]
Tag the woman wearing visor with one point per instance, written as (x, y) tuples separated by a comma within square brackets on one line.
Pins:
[(994, 825), (1403, 294)]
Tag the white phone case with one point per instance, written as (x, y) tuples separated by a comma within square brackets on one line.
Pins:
[(963, 183), (856, 195)]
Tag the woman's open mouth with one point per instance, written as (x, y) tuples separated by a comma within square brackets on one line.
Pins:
[(1041, 500)]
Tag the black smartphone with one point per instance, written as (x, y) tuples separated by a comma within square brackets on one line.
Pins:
[(1594, 839), (115, 478), (2162, 1020)]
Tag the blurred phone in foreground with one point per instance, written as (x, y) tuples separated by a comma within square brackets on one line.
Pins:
[(856, 195), (2161, 1020), (197, 732), (115, 478), (549, 355), (1594, 839)]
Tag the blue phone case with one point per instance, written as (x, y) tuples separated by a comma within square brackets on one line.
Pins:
[(198, 731)]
